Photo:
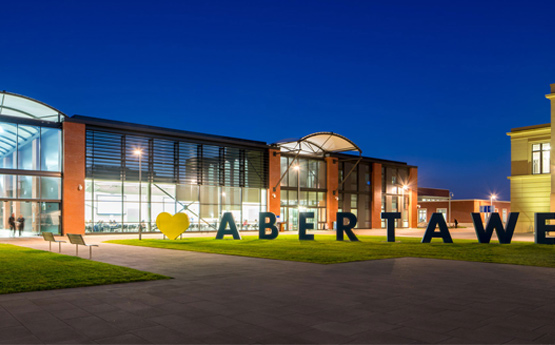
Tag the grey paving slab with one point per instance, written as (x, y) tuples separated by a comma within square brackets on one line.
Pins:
[(66, 335), (31, 339), (164, 335), (229, 299), (123, 339), (73, 313), (94, 327), (8, 334)]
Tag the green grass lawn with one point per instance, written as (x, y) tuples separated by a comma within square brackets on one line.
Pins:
[(325, 250), (24, 269)]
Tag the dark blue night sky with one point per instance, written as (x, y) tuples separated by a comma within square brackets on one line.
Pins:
[(435, 84)]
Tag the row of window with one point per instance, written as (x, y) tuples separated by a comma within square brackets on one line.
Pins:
[(310, 199), (30, 187), (114, 206), (309, 173), (433, 199), (423, 215), (156, 192), (359, 179)]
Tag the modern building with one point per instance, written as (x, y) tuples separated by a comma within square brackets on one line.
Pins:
[(82, 174), (434, 200), (531, 172)]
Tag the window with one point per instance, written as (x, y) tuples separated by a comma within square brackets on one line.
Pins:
[(541, 158), (50, 142), (422, 215), (443, 211)]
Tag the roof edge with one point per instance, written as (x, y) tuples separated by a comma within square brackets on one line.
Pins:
[(114, 124), (518, 129), (34, 100)]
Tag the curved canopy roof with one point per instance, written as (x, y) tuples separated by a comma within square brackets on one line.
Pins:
[(12, 104), (319, 143)]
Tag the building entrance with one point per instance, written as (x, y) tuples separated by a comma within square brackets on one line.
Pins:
[(290, 217), (28, 218)]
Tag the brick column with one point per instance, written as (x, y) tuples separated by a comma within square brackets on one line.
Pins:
[(332, 185), (413, 201), (274, 167), (73, 196), (376, 203)]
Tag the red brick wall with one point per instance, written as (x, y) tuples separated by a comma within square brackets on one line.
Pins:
[(332, 185), (73, 198), (376, 206), (274, 163), (461, 209), (413, 185)]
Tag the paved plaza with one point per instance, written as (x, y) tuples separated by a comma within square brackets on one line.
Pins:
[(218, 299)]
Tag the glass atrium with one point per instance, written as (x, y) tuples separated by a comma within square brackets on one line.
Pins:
[(30, 166)]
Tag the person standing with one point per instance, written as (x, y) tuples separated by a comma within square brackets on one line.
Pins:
[(20, 224), (11, 223)]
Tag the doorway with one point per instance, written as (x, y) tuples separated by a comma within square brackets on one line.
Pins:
[(29, 218)]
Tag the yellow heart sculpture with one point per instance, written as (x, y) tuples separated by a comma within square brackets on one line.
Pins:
[(172, 226)]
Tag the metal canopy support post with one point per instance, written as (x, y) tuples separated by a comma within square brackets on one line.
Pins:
[(184, 207), (347, 176), (286, 171)]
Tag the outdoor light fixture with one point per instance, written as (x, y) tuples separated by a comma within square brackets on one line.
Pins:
[(492, 209), (451, 195)]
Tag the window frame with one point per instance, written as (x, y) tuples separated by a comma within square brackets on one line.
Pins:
[(541, 153)]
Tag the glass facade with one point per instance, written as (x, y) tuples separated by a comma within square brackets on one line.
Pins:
[(30, 177), (303, 188), (201, 175), (395, 198), (355, 193), (201, 180)]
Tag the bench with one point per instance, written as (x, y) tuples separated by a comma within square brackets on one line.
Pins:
[(79, 241), (48, 236)]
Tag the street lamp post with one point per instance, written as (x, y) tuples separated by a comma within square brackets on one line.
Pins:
[(404, 204), (139, 153), (298, 168), (450, 218), (493, 197)]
